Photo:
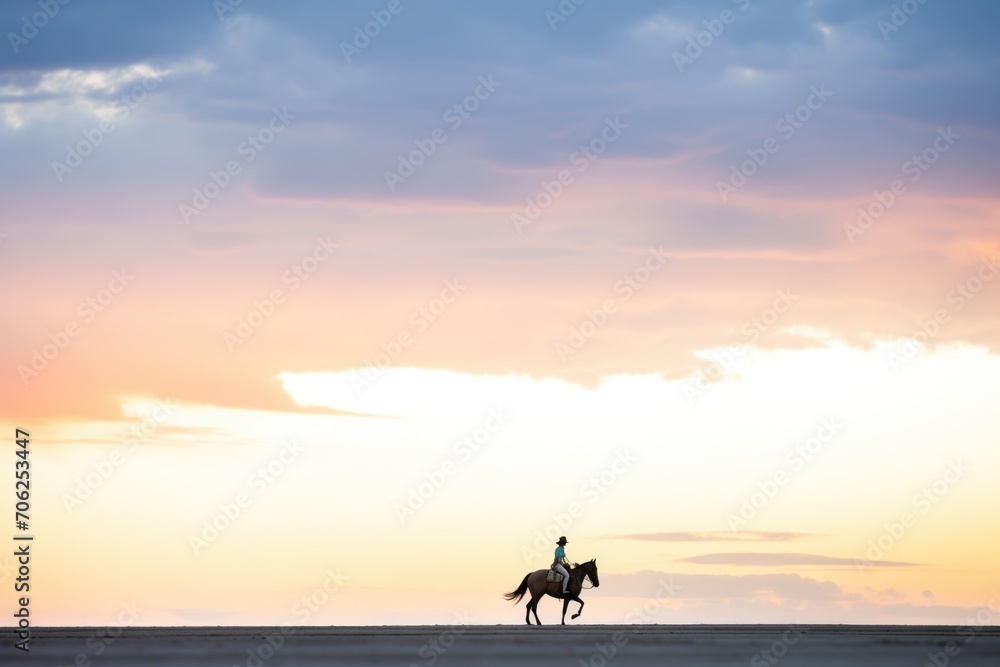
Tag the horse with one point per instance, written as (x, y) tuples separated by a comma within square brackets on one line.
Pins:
[(534, 582)]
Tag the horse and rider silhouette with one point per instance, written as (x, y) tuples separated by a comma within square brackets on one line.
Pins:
[(567, 590)]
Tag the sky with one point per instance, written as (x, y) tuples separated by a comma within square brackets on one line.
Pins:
[(342, 313)]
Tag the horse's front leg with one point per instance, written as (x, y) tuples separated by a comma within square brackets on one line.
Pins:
[(565, 607), (579, 611)]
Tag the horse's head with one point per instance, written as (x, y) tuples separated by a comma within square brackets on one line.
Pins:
[(590, 569)]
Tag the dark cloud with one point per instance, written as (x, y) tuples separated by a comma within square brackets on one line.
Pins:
[(105, 33), (353, 120)]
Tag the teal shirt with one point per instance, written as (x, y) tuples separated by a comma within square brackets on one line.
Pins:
[(560, 553)]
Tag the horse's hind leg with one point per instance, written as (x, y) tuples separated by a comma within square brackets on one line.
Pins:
[(534, 609), (527, 611)]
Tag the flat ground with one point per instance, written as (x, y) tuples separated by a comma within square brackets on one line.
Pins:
[(595, 645)]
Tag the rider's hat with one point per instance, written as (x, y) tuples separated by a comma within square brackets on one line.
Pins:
[(562, 540)]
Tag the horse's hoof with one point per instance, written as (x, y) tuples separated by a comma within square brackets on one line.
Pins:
[(574, 616)]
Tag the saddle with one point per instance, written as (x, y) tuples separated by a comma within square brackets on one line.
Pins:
[(553, 576)]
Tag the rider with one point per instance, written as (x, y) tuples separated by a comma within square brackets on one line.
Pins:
[(560, 564)]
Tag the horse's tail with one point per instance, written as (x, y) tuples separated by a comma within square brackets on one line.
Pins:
[(515, 596)]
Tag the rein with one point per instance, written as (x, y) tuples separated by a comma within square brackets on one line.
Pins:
[(585, 579)]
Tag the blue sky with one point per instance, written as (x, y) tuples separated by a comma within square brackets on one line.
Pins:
[(557, 87)]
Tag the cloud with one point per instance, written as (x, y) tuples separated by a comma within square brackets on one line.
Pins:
[(223, 242), (363, 115), (49, 95), (887, 595), (726, 536), (781, 559), (775, 598), (718, 587), (107, 33)]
